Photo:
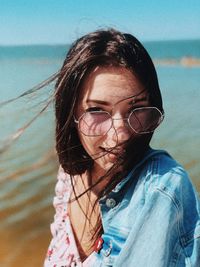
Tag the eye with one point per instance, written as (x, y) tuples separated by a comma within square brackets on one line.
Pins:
[(136, 107), (93, 109), (132, 108)]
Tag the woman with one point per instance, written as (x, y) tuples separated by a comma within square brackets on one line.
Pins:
[(118, 202)]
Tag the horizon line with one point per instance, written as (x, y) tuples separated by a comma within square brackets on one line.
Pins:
[(69, 43)]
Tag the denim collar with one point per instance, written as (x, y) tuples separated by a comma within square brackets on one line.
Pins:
[(149, 153)]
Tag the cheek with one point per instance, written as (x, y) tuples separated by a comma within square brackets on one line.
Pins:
[(91, 145)]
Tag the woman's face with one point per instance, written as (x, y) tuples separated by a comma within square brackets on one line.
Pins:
[(117, 91)]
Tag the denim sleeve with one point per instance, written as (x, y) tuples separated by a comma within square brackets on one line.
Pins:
[(191, 255), (190, 227), (166, 233)]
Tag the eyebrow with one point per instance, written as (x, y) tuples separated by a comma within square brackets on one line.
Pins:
[(102, 102), (135, 98), (138, 99)]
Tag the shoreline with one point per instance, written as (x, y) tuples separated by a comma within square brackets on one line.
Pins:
[(187, 61)]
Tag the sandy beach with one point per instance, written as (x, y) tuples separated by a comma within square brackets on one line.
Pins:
[(26, 243)]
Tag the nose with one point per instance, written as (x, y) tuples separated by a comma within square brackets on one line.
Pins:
[(119, 133)]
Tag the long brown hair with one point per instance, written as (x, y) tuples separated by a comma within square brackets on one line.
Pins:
[(100, 48)]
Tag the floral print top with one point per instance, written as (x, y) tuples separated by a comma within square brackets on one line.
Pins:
[(63, 251)]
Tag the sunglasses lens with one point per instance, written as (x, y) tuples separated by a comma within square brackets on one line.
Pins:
[(95, 123), (144, 120), (141, 120)]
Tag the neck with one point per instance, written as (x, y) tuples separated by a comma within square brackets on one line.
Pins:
[(98, 179)]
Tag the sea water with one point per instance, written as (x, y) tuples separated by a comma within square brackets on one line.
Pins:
[(28, 165)]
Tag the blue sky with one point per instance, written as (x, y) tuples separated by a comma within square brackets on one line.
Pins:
[(62, 21)]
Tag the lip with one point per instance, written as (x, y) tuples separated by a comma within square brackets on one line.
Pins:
[(113, 151), (112, 157)]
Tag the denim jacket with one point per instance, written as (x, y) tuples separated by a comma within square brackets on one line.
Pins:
[(151, 218)]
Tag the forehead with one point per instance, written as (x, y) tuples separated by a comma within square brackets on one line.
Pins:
[(110, 84)]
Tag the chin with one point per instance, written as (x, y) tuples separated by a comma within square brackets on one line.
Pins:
[(104, 165)]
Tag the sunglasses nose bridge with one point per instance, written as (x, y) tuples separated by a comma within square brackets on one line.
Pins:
[(121, 121), (120, 128), (118, 120)]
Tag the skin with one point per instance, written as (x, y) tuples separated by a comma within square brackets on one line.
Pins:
[(117, 88), (113, 86)]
